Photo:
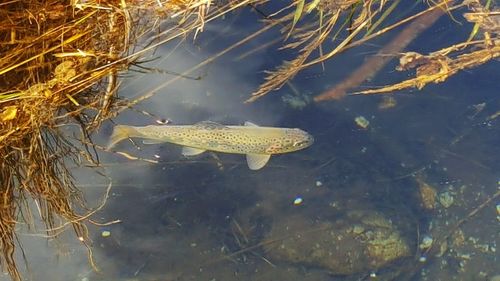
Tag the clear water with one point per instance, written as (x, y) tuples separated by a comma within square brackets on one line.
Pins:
[(203, 218)]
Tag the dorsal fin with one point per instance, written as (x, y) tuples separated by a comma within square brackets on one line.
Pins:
[(209, 125), (250, 124)]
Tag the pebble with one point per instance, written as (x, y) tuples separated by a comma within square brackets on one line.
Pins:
[(426, 242), (298, 201), (358, 229), (362, 122), (446, 199)]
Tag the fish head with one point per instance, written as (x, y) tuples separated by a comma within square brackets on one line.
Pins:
[(301, 139), (293, 140)]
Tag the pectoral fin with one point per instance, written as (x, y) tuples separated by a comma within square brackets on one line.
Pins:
[(257, 161), (152, 141), (191, 151)]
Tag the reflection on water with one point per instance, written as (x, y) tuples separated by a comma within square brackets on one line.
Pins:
[(391, 199)]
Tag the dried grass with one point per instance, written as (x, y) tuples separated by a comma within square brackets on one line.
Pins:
[(361, 24), (438, 66), (60, 65)]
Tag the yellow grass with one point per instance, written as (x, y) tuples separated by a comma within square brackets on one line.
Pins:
[(60, 65)]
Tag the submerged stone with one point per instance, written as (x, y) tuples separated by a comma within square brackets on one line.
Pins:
[(364, 241)]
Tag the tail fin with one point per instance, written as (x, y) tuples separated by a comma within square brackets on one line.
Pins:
[(121, 132)]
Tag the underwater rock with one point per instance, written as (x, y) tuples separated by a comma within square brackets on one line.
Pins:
[(362, 122), (495, 278), (361, 242), (427, 194)]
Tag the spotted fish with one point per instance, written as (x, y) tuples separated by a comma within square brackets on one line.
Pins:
[(257, 143)]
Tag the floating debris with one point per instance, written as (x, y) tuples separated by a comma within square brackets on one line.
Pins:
[(105, 233), (298, 201), (362, 122), (493, 116), (446, 199), (387, 102), (319, 183), (477, 109)]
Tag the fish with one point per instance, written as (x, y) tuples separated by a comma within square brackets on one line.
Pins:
[(256, 142)]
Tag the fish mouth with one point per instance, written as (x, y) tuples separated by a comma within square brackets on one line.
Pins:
[(307, 137), (305, 141), (310, 139)]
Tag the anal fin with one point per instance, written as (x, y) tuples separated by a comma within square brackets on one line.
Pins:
[(257, 161), (191, 151)]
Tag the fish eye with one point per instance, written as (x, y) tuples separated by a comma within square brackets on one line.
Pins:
[(299, 143)]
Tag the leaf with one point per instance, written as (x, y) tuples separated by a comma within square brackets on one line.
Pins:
[(313, 5), (298, 13), (476, 27), (9, 113)]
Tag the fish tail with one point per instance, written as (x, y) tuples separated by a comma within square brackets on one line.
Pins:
[(121, 132)]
